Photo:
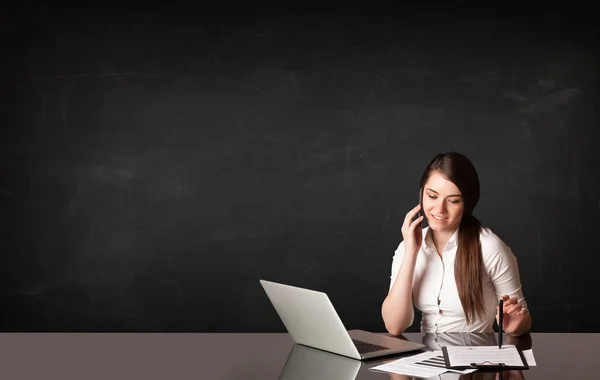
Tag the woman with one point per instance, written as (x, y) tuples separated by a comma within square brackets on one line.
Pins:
[(454, 271)]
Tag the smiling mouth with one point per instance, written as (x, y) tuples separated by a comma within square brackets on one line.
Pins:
[(439, 218)]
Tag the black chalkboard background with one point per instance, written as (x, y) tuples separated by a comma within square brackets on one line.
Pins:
[(158, 161)]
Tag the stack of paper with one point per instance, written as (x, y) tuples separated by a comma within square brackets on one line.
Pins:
[(425, 365), (528, 354), (432, 363)]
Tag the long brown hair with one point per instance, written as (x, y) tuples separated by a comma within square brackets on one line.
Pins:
[(468, 265)]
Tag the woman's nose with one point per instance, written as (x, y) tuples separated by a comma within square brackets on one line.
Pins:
[(440, 206)]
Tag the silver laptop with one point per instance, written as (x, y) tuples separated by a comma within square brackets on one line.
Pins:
[(311, 320)]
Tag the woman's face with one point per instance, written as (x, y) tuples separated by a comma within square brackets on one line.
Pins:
[(443, 204)]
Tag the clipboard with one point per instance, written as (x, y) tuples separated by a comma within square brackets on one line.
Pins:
[(486, 363)]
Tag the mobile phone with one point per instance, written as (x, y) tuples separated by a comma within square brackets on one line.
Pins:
[(420, 212)]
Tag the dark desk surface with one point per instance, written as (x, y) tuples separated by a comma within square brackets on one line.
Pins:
[(245, 356)]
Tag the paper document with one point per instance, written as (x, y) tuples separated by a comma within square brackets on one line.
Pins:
[(432, 359), (463, 356), (528, 354), (429, 363), (403, 368)]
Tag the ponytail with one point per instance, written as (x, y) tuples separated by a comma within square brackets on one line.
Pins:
[(468, 267)]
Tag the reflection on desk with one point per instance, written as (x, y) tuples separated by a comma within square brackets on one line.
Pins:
[(260, 356), (504, 375), (310, 363), (436, 341)]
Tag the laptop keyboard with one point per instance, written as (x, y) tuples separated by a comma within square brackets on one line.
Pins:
[(364, 347)]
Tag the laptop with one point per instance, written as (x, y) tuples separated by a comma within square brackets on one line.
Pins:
[(311, 320)]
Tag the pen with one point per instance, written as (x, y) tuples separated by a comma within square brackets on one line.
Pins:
[(501, 314)]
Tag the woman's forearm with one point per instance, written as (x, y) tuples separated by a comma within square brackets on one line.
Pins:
[(397, 309), (523, 327)]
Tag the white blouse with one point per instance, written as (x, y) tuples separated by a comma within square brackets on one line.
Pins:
[(433, 281)]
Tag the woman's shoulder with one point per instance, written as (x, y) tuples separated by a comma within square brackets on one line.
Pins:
[(498, 257), (492, 246), (489, 237)]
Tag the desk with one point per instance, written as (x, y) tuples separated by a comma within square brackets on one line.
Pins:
[(142, 356)]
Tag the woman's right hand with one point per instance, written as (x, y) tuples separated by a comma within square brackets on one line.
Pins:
[(412, 232)]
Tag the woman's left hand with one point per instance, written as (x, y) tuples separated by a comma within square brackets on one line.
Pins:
[(514, 314)]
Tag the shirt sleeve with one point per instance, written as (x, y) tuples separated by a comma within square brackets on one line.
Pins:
[(502, 266), (396, 261)]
